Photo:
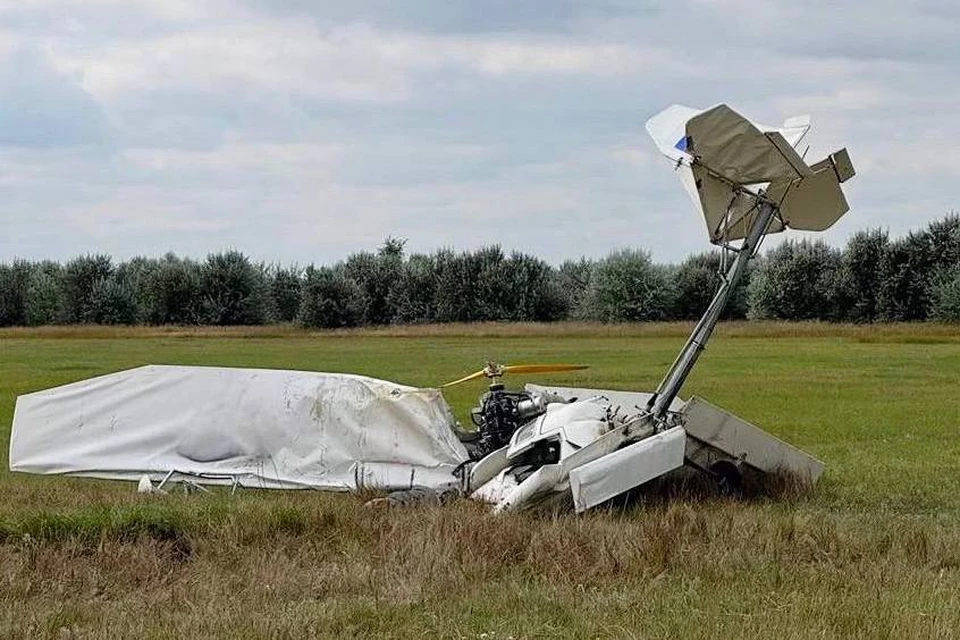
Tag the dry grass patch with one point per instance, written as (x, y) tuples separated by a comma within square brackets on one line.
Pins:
[(881, 332), (318, 566)]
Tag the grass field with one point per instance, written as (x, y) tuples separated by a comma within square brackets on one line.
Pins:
[(874, 551)]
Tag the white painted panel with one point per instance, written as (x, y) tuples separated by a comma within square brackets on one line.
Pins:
[(596, 482), (740, 439)]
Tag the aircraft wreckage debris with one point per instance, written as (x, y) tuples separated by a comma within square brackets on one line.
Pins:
[(534, 446)]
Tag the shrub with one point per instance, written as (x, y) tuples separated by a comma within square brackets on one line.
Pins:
[(696, 281), (45, 299), (456, 292), (80, 277), (796, 281), (861, 275), (331, 299), (905, 271), (113, 301), (491, 291), (910, 278), (944, 238), (234, 290), (945, 295), (285, 292), (172, 292), (378, 274), (413, 297), (14, 282), (486, 285), (136, 273), (573, 278), (627, 287), (528, 290)]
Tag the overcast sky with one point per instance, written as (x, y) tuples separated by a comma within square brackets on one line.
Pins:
[(305, 130)]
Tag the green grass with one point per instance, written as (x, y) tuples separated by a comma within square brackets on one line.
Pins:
[(873, 552)]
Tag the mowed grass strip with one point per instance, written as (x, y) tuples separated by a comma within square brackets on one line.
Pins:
[(873, 552)]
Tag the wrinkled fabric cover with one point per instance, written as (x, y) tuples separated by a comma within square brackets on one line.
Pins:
[(724, 160), (262, 428), (734, 146)]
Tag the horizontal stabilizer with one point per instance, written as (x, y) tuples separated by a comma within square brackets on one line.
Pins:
[(840, 162), (715, 428), (729, 165), (813, 204)]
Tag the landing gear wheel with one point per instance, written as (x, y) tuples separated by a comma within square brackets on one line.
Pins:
[(729, 477)]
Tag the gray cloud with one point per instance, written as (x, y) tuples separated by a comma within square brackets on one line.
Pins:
[(460, 16), (40, 107)]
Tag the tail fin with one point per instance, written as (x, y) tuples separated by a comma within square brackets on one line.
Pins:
[(816, 202)]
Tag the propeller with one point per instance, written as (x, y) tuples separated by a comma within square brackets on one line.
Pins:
[(495, 371)]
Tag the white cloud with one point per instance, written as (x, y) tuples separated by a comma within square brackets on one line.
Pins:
[(349, 63), (312, 129)]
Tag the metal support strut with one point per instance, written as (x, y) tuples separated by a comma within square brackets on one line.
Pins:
[(660, 402)]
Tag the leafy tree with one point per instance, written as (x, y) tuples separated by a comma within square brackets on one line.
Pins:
[(486, 285), (413, 297), (392, 247), (45, 299), (135, 274), (944, 238), (905, 271), (234, 290), (945, 295), (285, 292), (861, 275), (491, 291), (627, 287), (81, 276), (573, 278), (796, 281), (113, 301), (696, 281), (910, 278), (528, 291), (14, 282), (172, 292), (913, 265), (457, 296), (331, 299), (378, 274)]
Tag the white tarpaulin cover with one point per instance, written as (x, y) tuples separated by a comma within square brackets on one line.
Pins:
[(259, 427)]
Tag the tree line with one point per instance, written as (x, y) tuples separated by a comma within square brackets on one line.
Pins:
[(872, 279)]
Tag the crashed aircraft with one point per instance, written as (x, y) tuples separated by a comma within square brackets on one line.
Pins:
[(293, 429)]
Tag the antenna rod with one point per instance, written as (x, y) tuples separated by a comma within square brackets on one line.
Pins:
[(659, 403)]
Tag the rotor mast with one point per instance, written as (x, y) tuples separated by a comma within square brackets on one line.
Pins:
[(660, 402)]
